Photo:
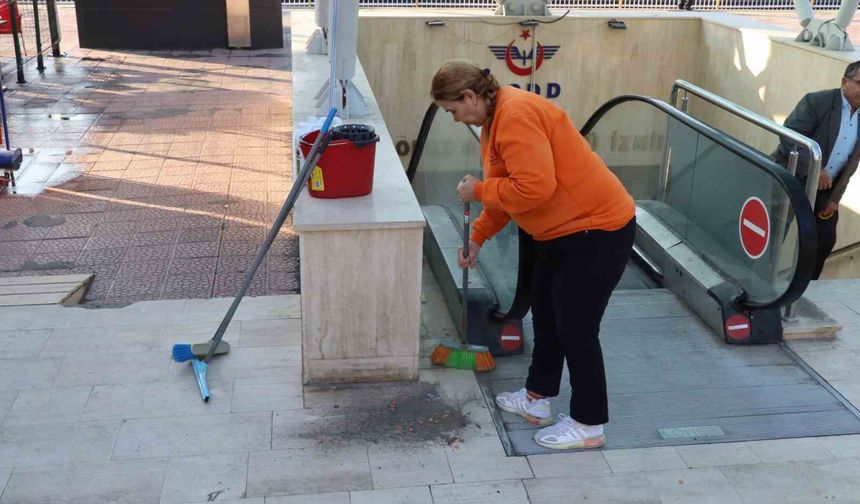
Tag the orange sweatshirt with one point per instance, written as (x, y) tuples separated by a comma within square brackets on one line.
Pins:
[(541, 172)]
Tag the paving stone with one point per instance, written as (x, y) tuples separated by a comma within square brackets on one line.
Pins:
[(197, 249), (194, 435), (507, 492), (788, 450), (5, 473), (693, 486), (116, 482), (172, 398), (268, 394), (622, 488), (67, 243), (106, 369), (481, 458), (235, 264), (19, 374), (197, 265), (47, 406), (319, 498), (148, 253), (797, 482), (644, 459), (91, 256), (717, 454), (405, 465), (205, 478), (23, 343), (33, 445), (409, 495), (272, 332), (298, 471), (842, 446), (568, 464), (201, 227), (7, 398), (81, 341)]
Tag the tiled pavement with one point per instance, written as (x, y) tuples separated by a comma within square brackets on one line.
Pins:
[(159, 172), (93, 411)]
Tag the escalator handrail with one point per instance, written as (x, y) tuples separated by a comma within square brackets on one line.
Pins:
[(522, 302), (807, 240), (426, 123)]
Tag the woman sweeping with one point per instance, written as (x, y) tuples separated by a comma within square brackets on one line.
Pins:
[(539, 171)]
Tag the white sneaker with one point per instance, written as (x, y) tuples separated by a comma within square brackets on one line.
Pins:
[(567, 433), (536, 411)]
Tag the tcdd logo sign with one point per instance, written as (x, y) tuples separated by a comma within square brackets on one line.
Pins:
[(520, 62)]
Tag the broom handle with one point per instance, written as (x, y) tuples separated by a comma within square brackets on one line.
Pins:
[(3, 112), (464, 324), (311, 160)]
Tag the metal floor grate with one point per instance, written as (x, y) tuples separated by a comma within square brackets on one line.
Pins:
[(671, 382)]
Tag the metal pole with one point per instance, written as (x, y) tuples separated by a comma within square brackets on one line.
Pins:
[(535, 50), (40, 63), (790, 314), (55, 28), (13, 20)]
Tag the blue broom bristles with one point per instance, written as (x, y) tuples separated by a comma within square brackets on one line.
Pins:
[(182, 352)]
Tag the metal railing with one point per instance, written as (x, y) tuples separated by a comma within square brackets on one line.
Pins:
[(583, 4), (591, 4), (782, 132), (764, 123), (29, 35)]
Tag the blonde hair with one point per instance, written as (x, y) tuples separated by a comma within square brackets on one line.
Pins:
[(456, 76)]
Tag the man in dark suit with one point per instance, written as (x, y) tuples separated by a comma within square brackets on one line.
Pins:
[(686, 4), (830, 118)]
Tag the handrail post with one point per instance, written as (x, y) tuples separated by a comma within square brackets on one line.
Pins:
[(790, 313), (792, 161)]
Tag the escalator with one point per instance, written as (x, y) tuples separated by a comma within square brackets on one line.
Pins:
[(702, 286)]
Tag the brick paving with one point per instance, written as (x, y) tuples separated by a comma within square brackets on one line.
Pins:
[(160, 172)]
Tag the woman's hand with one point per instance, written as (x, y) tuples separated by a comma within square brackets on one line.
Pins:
[(472, 261), (466, 188)]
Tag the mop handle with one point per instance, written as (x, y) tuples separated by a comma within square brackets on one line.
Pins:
[(313, 157), (465, 321), (3, 113)]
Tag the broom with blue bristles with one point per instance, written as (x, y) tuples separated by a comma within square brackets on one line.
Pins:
[(201, 354)]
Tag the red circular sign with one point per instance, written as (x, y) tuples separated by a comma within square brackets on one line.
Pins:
[(512, 338), (754, 227), (738, 327)]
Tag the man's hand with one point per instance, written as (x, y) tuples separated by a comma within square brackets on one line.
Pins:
[(828, 210), (466, 188), (825, 181)]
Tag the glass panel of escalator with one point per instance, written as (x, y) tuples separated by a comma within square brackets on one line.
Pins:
[(696, 181), (450, 152), (724, 183)]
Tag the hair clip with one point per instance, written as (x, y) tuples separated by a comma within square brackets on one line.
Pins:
[(486, 72)]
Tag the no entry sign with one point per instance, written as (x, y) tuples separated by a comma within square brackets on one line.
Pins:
[(754, 227), (738, 327)]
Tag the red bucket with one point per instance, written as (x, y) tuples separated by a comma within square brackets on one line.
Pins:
[(346, 166)]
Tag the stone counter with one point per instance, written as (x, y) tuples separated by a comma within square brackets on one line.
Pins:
[(360, 257)]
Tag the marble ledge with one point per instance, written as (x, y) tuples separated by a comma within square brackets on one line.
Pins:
[(392, 203)]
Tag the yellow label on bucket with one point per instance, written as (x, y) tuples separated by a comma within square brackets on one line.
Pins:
[(317, 179)]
